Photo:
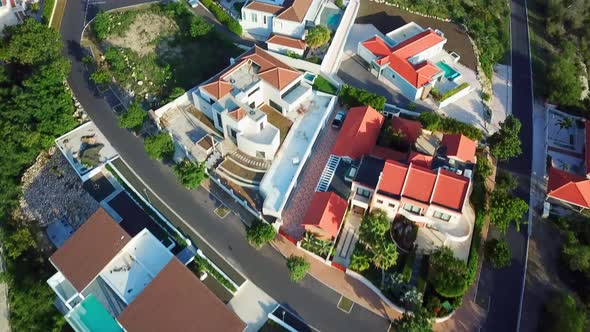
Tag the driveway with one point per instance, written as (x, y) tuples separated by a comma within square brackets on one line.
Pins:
[(266, 268)]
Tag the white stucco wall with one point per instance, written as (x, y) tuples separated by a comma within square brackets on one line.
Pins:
[(365, 54), (289, 28), (384, 206), (284, 49), (250, 147), (258, 27)]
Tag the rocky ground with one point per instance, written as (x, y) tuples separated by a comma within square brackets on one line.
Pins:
[(52, 190)]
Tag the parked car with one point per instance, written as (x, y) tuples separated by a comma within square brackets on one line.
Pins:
[(338, 120), (193, 3)]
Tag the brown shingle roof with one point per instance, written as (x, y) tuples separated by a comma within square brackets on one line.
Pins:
[(287, 41), (264, 7), (176, 300), (296, 11), (90, 249)]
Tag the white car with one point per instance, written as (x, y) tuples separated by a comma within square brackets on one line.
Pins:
[(338, 120), (193, 3)]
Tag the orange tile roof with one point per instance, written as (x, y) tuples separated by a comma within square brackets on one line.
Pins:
[(450, 190), (410, 128), (397, 56), (279, 77), (238, 114), (392, 178), (569, 187), (459, 146), (420, 159), (264, 7), (296, 11), (287, 41), (419, 183), (326, 211), (359, 132), (218, 89)]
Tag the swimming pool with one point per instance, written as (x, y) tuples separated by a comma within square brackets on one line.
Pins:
[(309, 77), (90, 315), (331, 18), (450, 72)]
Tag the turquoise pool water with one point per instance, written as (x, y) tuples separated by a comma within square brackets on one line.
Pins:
[(90, 315), (309, 76), (450, 72), (331, 18)]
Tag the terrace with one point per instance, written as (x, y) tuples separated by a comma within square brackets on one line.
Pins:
[(280, 179)]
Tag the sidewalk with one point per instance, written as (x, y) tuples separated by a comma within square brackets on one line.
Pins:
[(339, 281), (252, 305)]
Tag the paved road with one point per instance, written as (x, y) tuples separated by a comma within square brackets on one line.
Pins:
[(266, 268), (505, 286)]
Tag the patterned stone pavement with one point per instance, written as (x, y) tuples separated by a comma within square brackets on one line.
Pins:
[(298, 204)]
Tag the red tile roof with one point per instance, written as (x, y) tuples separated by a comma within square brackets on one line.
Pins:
[(359, 132), (279, 77), (450, 190), (397, 56), (287, 41), (264, 7), (387, 153), (410, 128), (419, 183), (296, 10), (587, 147), (460, 147), (392, 178), (90, 249), (238, 114), (569, 187), (420, 159), (176, 300), (326, 211), (218, 89)]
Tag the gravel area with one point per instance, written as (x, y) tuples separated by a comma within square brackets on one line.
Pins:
[(52, 190)]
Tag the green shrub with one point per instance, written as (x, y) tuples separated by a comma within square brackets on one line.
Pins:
[(260, 233), (434, 122), (408, 266), (352, 97), (565, 314), (47, 10), (498, 253), (189, 173), (115, 23), (201, 264), (453, 91), (293, 55), (133, 118), (361, 259), (159, 147), (323, 85), (340, 4), (232, 24), (199, 27), (101, 76), (486, 96), (298, 267), (447, 274)]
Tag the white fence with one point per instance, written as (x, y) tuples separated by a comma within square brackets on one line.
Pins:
[(332, 58)]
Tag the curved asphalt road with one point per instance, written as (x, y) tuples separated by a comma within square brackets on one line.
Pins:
[(266, 268), (505, 286)]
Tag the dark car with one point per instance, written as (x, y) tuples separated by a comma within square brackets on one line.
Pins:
[(338, 119)]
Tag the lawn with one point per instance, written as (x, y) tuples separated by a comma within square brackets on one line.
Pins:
[(149, 51), (323, 85), (278, 120)]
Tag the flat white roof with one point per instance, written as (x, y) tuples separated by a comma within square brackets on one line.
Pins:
[(136, 265), (404, 32), (277, 184)]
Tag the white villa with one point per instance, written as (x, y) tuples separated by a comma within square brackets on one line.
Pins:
[(261, 18), (411, 58), (12, 12)]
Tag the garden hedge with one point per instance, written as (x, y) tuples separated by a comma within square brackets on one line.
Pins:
[(223, 17)]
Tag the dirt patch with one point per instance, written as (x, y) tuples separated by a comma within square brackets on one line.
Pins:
[(388, 18), (144, 33)]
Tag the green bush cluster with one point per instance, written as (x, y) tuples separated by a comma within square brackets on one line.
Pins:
[(47, 10), (112, 23), (353, 97), (434, 122), (442, 97), (408, 266), (447, 274), (298, 267), (160, 146), (498, 253), (317, 36), (201, 264), (133, 118), (189, 173), (260, 233), (323, 85), (319, 247), (232, 24)]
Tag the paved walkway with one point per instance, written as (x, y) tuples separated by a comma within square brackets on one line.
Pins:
[(339, 281), (298, 204), (252, 305)]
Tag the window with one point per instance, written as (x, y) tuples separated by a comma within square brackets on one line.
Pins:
[(412, 208), (261, 125), (264, 19), (295, 86), (254, 17), (379, 201), (275, 106), (260, 154), (391, 205), (442, 216), (253, 91), (363, 192), (219, 123)]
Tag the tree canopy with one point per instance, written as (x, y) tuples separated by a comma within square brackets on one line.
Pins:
[(565, 314), (498, 252), (504, 143), (352, 97), (563, 77), (200, 27), (260, 233), (374, 235), (506, 208), (159, 147), (447, 273), (317, 36), (189, 173), (298, 267), (133, 118), (418, 321)]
